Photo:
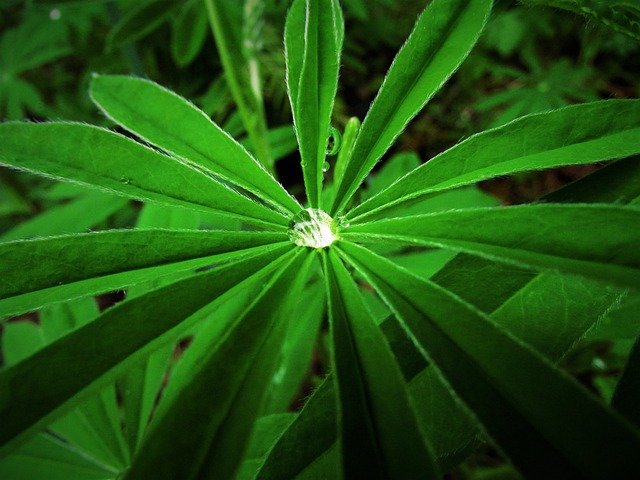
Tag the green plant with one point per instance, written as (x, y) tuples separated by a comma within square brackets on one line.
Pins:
[(466, 348)]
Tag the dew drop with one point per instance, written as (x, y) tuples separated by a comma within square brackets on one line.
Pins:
[(326, 167), (334, 140), (343, 221), (312, 228), (125, 180)]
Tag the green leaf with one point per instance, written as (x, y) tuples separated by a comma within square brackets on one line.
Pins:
[(576, 135), (188, 32), (266, 432), (618, 182), (234, 25), (313, 432), (196, 435), (620, 15), (140, 22), (169, 122), (39, 271), (499, 378), (441, 39), (297, 350), (48, 458), (76, 216), (118, 338), (314, 33), (591, 240), (141, 383), (380, 437), (349, 137), (626, 398), (108, 161)]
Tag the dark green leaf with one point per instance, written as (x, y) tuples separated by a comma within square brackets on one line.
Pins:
[(198, 435), (139, 22), (380, 437), (188, 32), (500, 379), (114, 341), (626, 398)]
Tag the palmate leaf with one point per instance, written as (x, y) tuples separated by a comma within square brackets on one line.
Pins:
[(579, 134), (379, 435), (592, 240), (223, 377), (314, 34), (70, 266), (441, 39), (169, 122), (118, 338)]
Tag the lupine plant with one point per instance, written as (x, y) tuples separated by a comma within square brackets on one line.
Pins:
[(465, 352)]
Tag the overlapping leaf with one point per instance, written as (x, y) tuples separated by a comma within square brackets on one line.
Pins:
[(591, 240), (579, 134), (96, 157), (379, 434), (441, 39), (169, 122), (498, 377), (236, 356), (120, 336)]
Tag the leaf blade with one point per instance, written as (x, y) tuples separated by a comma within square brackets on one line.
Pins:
[(503, 390), (380, 437), (170, 122), (97, 157), (569, 238), (575, 135), (442, 37), (314, 34)]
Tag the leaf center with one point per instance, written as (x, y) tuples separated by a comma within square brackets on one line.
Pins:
[(313, 228)]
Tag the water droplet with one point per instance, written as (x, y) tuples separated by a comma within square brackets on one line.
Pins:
[(125, 180), (55, 14), (343, 221), (312, 228), (326, 167), (334, 140)]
